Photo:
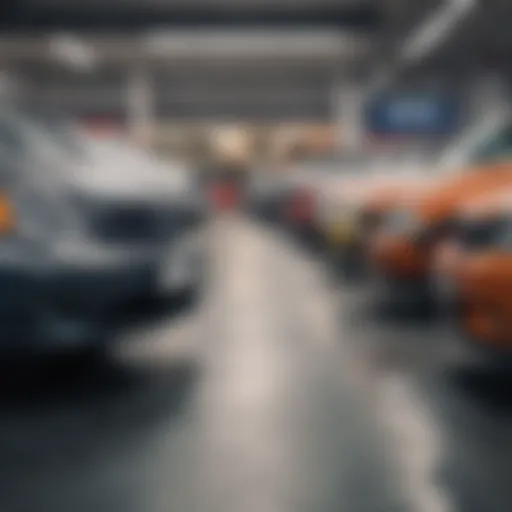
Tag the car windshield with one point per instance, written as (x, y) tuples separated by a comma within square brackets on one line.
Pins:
[(19, 133), (70, 139), (58, 129)]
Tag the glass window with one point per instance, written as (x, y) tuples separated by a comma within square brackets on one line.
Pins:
[(57, 128)]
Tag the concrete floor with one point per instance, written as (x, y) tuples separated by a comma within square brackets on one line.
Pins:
[(284, 393)]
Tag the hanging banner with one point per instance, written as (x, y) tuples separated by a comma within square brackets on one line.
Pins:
[(400, 114)]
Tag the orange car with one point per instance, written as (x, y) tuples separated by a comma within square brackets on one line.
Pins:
[(381, 199), (472, 273), (401, 252), (379, 194)]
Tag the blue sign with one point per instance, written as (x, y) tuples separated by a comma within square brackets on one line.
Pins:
[(412, 114)]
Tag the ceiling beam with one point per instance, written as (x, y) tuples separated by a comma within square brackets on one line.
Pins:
[(43, 15)]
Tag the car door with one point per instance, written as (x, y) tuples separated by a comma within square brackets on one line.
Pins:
[(486, 275)]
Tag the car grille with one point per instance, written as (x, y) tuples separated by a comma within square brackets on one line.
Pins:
[(128, 224), (142, 224)]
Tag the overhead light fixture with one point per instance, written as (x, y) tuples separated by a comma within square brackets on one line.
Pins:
[(249, 43), (73, 52), (436, 29)]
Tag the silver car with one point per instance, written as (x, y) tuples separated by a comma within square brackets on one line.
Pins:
[(90, 249)]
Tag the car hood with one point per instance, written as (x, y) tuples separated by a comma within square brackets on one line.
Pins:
[(376, 191), (451, 191), (132, 179)]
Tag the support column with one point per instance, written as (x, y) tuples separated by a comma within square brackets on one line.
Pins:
[(347, 111)]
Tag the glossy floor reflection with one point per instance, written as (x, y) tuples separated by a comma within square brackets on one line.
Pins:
[(279, 395)]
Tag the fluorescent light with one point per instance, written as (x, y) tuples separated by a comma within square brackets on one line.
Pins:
[(252, 43), (436, 28)]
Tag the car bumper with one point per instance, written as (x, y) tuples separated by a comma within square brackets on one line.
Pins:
[(69, 305)]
